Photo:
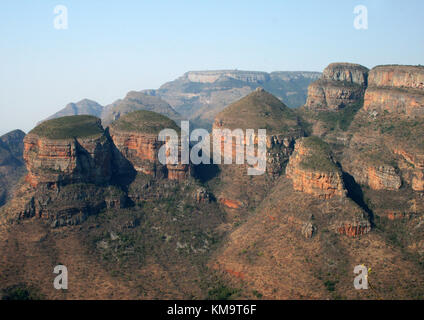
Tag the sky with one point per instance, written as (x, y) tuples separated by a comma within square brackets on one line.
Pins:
[(112, 47)]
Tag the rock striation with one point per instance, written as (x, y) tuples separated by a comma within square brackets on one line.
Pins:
[(261, 110), (341, 84), (396, 89), (75, 167), (136, 136), (68, 150), (313, 171)]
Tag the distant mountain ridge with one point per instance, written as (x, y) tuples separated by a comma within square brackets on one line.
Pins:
[(83, 107), (200, 95)]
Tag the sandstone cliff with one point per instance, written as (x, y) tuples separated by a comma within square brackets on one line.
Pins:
[(136, 137), (396, 89), (313, 171), (68, 150), (341, 84)]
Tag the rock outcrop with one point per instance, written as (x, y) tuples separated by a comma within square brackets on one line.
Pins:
[(341, 84), (68, 150), (261, 110), (136, 136), (396, 89), (313, 171)]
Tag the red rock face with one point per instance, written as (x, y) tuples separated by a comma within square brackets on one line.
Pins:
[(397, 89), (354, 229), (383, 178), (279, 146), (232, 204), (397, 76), (394, 101), (142, 149), (414, 172), (54, 162), (322, 184)]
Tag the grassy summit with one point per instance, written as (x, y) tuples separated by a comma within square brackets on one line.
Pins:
[(319, 155), (259, 110), (69, 127), (145, 122)]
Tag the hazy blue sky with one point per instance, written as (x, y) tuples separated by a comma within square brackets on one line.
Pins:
[(112, 47)]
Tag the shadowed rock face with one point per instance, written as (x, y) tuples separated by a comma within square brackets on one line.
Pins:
[(11, 163), (312, 170), (341, 84), (136, 137)]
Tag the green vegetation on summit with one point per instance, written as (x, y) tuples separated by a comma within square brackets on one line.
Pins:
[(319, 156), (145, 122), (259, 109), (69, 127)]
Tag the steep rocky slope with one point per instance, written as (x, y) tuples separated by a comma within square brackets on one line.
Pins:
[(84, 205), (11, 163), (259, 110), (334, 100), (331, 198)]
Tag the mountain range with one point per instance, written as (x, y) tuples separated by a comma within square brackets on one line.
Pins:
[(198, 96), (344, 186)]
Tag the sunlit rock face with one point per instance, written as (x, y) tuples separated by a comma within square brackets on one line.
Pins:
[(396, 89), (136, 136), (313, 171), (341, 84), (58, 158)]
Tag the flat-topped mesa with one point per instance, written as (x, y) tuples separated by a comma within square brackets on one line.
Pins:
[(261, 110), (346, 72), (341, 84), (136, 137), (218, 75), (396, 89), (68, 150), (313, 171)]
